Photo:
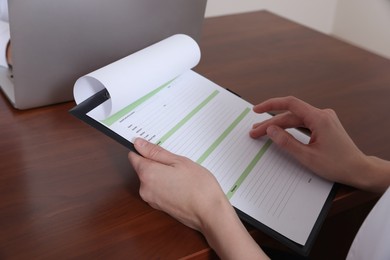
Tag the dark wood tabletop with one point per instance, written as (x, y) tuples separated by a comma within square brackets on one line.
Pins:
[(68, 191)]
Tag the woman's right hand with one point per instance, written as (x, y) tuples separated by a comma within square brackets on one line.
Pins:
[(331, 153)]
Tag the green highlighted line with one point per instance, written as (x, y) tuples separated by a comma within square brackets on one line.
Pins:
[(222, 136), (118, 115), (248, 169), (187, 118)]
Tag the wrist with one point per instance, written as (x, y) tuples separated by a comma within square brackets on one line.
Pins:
[(367, 173), (226, 234), (374, 174), (218, 213)]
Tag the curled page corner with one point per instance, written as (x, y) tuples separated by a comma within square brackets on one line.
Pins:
[(86, 87), (136, 75)]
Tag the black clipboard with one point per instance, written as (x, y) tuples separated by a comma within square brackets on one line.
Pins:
[(305, 249), (81, 110)]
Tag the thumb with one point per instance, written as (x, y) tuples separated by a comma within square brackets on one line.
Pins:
[(153, 152), (286, 141)]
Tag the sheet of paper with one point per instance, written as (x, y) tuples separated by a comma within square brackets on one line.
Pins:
[(139, 73), (196, 118)]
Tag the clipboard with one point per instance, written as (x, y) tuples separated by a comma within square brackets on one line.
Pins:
[(81, 112), (191, 107)]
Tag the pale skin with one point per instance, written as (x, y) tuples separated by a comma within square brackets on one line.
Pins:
[(190, 193)]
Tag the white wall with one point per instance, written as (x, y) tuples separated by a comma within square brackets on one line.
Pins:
[(223, 7), (365, 23), (317, 14)]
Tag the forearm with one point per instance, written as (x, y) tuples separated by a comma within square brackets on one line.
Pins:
[(373, 174), (228, 237)]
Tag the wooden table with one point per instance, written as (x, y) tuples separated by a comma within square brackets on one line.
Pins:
[(68, 191)]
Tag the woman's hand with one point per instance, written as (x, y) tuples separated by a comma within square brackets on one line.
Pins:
[(176, 185), (192, 195), (330, 153)]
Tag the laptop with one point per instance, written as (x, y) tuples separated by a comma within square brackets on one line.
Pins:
[(56, 42)]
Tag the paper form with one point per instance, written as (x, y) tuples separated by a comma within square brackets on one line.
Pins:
[(139, 73), (189, 115), (196, 118)]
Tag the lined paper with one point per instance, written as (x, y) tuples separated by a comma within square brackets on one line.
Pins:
[(155, 95), (193, 117)]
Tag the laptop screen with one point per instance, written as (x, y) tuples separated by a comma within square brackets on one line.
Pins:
[(56, 42)]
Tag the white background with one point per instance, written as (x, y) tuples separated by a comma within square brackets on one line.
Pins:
[(365, 23)]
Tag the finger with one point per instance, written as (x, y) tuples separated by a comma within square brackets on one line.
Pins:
[(288, 143), (285, 120), (146, 174), (138, 162), (154, 152), (292, 104), (145, 169)]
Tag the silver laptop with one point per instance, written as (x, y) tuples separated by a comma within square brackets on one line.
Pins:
[(56, 42)]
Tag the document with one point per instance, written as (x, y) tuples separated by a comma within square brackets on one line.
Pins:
[(154, 94)]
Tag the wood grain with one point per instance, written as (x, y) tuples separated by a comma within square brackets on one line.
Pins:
[(68, 191)]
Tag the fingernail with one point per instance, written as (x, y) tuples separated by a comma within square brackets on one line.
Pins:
[(272, 131), (140, 142)]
